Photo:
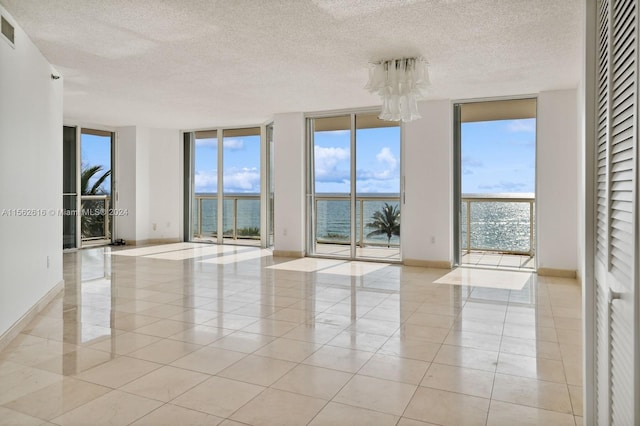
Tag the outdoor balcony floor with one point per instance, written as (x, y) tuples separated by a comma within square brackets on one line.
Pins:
[(391, 254), (498, 260)]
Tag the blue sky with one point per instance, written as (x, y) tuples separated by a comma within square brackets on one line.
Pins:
[(498, 156), (97, 150), (241, 165), (377, 160)]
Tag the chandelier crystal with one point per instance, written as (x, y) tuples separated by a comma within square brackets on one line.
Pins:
[(400, 83)]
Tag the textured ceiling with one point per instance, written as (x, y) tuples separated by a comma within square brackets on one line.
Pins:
[(200, 63)]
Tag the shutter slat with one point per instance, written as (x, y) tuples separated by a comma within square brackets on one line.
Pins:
[(623, 163), (621, 216), (626, 196)]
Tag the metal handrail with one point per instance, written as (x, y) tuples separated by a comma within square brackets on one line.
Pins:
[(361, 199), (235, 198), (492, 198)]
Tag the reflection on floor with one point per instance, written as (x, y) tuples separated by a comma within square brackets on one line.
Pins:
[(185, 339), (498, 260)]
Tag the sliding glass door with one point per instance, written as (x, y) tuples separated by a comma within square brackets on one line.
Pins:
[(494, 189), (354, 187), (225, 183), (87, 186), (96, 202)]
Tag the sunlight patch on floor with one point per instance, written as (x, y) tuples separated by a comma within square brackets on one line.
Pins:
[(354, 269), (307, 264), (509, 280)]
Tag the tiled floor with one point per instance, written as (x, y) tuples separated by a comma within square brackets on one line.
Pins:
[(183, 334)]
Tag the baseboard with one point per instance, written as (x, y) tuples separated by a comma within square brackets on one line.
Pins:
[(288, 253), (558, 273), (19, 325), (437, 264)]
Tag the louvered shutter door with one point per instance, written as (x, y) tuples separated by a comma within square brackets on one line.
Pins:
[(616, 213), (602, 130)]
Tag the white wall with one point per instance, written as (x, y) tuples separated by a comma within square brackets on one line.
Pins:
[(557, 180), (149, 171), (289, 180), (125, 171), (30, 177), (143, 226), (165, 184), (427, 218)]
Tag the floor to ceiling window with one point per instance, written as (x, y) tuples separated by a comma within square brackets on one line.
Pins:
[(226, 188), (87, 187), (354, 187), (495, 147), (96, 153)]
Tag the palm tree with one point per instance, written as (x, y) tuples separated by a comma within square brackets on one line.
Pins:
[(386, 222), (87, 174), (92, 224)]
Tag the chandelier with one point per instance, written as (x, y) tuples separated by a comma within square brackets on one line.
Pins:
[(400, 83)]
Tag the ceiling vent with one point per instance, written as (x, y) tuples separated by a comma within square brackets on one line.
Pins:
[(8, 31)]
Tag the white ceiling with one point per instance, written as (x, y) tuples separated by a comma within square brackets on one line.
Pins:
[(190, 64)]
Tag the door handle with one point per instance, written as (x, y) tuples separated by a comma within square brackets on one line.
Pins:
[(614, 295)]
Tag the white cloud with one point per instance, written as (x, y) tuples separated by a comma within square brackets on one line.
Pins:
[(386, 156), (206, 181), (383, 176), (242, 180), (391, 185), (230, 144), (233, 144), (235, 180), (522, 126), (207, 143), (326, 162), (389, 164)]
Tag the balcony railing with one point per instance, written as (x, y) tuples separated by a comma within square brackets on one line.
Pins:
[(241, 216), (95, 223), (333, 218), (496, 222)]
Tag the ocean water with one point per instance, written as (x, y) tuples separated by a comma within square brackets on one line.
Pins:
[(497, 226), (248, 217), (494, 225)]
